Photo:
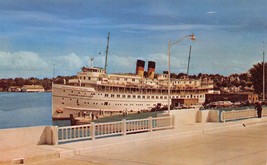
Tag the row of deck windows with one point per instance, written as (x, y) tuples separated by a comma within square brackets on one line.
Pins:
[(151, 97), (135, 96), (144, 97), (106, 103)]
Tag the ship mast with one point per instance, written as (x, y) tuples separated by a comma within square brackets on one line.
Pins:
[(106, 60), (189, 59)]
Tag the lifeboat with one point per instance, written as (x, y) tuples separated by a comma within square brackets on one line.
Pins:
[(59, 110)]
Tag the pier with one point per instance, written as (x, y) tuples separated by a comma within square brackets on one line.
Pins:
[(229, 142)]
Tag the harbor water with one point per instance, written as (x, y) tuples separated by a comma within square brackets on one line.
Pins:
[(26, 109)]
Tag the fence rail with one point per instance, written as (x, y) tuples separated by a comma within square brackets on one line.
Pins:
[(240, 114), (124, 127)]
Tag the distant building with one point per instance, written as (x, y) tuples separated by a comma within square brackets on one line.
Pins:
[(233, 97), (184, 102), (32, 88), (14, 89)]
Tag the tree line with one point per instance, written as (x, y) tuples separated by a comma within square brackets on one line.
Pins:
[(5, 83), (252, 79)]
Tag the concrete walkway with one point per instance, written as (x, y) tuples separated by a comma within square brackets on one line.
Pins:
[(241, 142)]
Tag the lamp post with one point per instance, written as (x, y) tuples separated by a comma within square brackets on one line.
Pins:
[(170, 45)]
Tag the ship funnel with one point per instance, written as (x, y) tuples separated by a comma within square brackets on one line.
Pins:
[(140, 65), (151, 69)]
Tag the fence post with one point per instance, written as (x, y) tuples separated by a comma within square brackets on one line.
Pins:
[(150, 126), (124, 125), (54, 130), (92, 130)]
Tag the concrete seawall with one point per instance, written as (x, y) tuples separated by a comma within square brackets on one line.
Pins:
[(19, 137), (192, 116), (32, 144)]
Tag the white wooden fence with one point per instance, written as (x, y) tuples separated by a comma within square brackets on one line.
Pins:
[(124, 127), (240, 114)]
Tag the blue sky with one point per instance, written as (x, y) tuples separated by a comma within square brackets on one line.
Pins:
[(35, 35)]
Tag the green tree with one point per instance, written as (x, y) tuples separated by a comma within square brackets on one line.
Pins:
[(257, 76), (19, 81)]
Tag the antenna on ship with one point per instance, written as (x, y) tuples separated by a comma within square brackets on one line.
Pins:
[(106, 60), (189, 59), (91, 59)]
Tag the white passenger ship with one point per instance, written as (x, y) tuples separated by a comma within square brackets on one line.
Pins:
[(94, 90)]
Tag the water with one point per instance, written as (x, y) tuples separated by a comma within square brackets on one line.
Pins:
[(25, 109)]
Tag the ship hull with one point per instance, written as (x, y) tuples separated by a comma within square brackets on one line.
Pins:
[(67, 100)]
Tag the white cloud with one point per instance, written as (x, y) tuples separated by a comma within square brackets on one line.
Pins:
[(30, 64), (21, 60)]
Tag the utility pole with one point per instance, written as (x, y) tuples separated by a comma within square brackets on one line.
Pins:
[(53, 71), (263, 74)]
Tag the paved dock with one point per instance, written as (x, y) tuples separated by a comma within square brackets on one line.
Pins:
[(242, 142)]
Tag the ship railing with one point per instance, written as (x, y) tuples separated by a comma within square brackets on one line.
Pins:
[(99, 130)]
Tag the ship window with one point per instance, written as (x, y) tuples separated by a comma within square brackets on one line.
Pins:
[(133, 80), (123, 96), (118, 96), (106, 95), (152, 97), (165, 97), (134, 96), (112, 95), (64, 91), (143, 97), (161, 97), (148, 97), (139, 96), (125, 79), (129, 96), (62, 102), (157, 97)]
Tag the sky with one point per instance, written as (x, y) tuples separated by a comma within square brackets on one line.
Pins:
[(48, 38)]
